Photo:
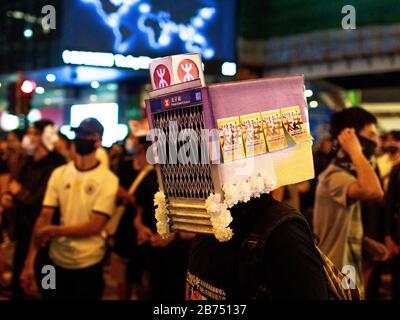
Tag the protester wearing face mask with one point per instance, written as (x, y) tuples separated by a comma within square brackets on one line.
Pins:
[(346, 182), (27, 188), (84, 192)]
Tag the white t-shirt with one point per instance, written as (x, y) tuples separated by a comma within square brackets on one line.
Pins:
[(79, 194)]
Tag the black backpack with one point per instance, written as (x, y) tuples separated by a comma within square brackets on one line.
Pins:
[(252, 257)]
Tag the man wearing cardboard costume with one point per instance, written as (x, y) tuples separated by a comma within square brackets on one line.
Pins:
[(220, 150)]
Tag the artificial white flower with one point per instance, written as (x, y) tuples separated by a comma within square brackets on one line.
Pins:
[(256, 185), (244, 191), (220, 217), (213, 203), (231, 194), (163, 229), (223, 220), (162, 215), (159, 198), (223, 234), (269, 182)]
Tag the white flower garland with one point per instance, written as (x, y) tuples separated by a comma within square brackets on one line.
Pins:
[(241, 191), (162, 214), (220, 216)]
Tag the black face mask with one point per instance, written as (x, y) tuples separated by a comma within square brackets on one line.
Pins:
[(368, 146), (391, 150), (84, 147)]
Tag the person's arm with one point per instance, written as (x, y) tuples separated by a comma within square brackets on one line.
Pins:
[(144, 233), (93, 227), (367, 186), (27, 277), (293, 266)]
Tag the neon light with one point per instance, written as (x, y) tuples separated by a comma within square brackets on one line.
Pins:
[(50, 77), (28, 86), (228, 69), (39, 90), (101, 59), (9, 122), (190, 34), (34, 115), (95, 84)]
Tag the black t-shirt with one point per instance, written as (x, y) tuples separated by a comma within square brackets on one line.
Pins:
[(145, 199), (292, 266), (33, 177), (125, 235)]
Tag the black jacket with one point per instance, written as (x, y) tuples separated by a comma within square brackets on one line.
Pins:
[(392, 210), (291, 266)]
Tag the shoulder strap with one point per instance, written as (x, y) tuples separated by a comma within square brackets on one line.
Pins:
[(253, 248), (112, 225), (142, 174)]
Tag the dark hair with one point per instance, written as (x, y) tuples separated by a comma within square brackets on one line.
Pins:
[(356, 118), (395, 134), (64, 137), (41, 124), (18, 133)]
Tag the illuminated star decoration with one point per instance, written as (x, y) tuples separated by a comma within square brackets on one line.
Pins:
[(190, 34)]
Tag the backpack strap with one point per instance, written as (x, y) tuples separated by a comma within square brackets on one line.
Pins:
[(251, 259)]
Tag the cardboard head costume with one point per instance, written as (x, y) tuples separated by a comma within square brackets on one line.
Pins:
[(221, 144)]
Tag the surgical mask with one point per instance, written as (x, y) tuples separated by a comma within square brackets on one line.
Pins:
[(130, 148), (84, 146), (391, 149), (28, 145)]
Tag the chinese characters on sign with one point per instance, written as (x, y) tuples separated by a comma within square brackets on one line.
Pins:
[(255, 133)]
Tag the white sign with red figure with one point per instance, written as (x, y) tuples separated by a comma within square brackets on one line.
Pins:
[(176, 69)]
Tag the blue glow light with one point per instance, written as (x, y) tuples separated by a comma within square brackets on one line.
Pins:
[(144, 8), (190, 34)]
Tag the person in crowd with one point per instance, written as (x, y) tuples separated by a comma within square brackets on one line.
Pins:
[(392, 227), (26, 190), (323, 155), (115, 155), (347, 181), (162, 267), (63, 146), (124, 240), (16, 153), (85, 193), (390, 156)]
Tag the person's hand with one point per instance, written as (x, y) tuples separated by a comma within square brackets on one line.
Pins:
[(349, 142), (14, 187), (391, 245), (7, 201), (28, 281), (44, 234), (158, 242), (378, 250), (144, 234)]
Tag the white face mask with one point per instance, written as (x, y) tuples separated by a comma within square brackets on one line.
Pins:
[(50, 137), (28, 146)]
